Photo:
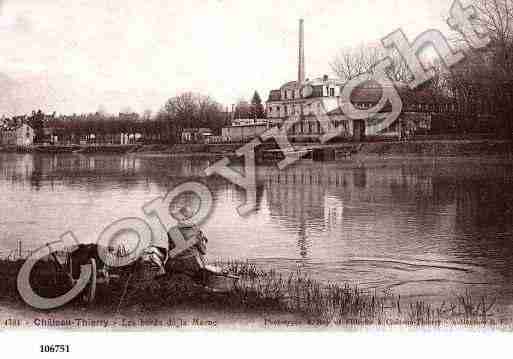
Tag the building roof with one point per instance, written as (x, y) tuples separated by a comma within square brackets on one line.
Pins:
[(289, 84), (274, 95), (313, 82), (196, 129), (257, 124), (372, 94)]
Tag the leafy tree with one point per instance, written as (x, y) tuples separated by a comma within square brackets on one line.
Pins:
[(257, 109), (37, 122)]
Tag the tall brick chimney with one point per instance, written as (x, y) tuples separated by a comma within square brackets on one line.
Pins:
[(301, 55)]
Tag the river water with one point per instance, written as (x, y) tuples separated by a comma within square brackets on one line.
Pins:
[(423, 228)]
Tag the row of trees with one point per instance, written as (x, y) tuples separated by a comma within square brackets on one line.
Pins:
[(187, 110), (481, 85), (193, 110), (103, 126)]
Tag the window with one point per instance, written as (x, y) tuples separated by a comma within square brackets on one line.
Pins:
[(332, 92)]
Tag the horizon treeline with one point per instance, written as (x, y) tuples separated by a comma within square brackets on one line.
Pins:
[(187, 110)]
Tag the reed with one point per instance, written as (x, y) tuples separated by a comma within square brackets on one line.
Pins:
[(334, 304), (264, 292)]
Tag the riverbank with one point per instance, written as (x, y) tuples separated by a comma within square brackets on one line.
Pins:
[(51, 149), (439, 148), (261, 299), (423, 148)]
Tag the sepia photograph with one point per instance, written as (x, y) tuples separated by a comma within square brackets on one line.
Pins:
[(328, 167)]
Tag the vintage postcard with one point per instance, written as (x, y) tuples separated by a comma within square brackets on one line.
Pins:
[(263, 166)]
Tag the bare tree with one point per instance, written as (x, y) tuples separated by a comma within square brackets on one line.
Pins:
[(353, 62), (242, 109), (483, 82), (192, 110), (210, 113), (496, 18)]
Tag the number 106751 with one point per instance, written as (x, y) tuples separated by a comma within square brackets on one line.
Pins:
[(54, 348)]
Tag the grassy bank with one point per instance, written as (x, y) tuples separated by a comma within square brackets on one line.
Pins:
[(259, 293)]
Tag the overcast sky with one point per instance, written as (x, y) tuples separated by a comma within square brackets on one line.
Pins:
[(76, 55)]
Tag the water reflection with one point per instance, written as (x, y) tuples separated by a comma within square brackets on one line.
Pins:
[(413, 225)]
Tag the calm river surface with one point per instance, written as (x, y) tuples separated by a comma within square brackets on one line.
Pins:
[(429, 228)]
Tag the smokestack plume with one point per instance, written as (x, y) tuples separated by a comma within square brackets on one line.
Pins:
[(301, 56)]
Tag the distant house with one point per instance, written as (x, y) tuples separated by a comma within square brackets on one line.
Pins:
[(21, 135), (196, 135), (249, 121), (129, 116), (243, 132)]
